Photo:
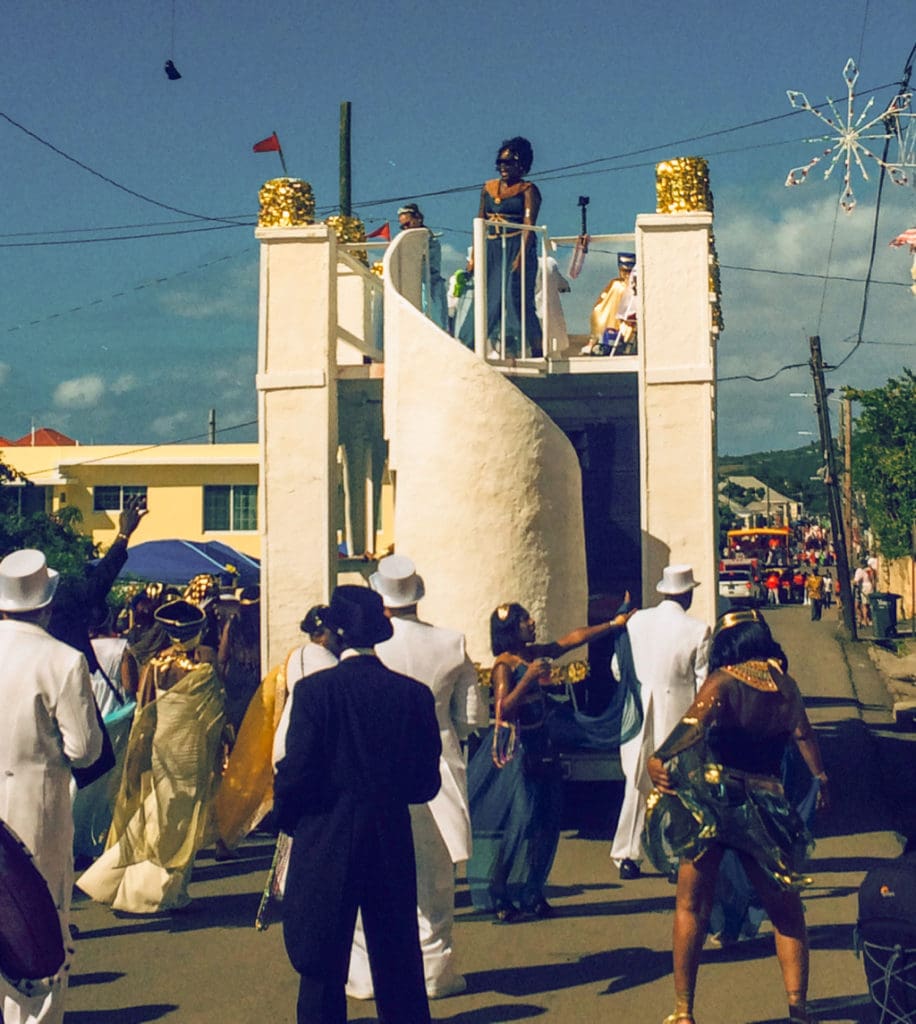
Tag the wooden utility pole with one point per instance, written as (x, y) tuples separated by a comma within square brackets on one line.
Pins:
[(345, 203), (847, 470), (830, 482)]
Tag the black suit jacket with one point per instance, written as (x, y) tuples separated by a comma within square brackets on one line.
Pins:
[(363, 743), (357, 731)]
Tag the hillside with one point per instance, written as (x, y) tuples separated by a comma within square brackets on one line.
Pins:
[(789, 472)]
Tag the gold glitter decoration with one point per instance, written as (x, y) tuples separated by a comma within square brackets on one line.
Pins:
[(560, 675), (682, 186), (286, 203), (378, 268), (349, 229)]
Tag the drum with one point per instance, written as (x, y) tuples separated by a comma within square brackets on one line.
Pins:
[(32, 949)]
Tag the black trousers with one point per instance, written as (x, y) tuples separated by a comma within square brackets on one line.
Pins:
[(365, 864)]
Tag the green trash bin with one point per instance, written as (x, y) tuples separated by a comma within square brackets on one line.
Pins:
[(884, 614)]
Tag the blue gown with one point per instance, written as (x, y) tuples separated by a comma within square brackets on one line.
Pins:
[(515, 814), (502, 249)]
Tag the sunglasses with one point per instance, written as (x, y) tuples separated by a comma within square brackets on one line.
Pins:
[(510, 162)]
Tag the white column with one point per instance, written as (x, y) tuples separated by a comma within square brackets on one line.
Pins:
[(297, 413), (677, 407)]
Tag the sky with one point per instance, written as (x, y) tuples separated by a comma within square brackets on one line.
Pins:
[(146, 317)]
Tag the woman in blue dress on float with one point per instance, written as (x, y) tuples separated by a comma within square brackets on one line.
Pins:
[(514, 784), (512, 255)]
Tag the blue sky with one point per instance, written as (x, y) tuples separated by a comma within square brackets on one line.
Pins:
[(134, 340)]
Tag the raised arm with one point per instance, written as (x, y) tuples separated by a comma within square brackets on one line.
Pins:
[(580, 636)]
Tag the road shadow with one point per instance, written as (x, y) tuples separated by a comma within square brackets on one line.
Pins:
[(621, 969), (838, 1010), (94, 978), (244, 865), (599, 909), (125, 1015), (499, 1014), (232, 910)]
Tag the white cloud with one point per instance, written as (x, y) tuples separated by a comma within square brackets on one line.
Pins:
[(121, 385), (79, 392), (170, 426), (233, 294)]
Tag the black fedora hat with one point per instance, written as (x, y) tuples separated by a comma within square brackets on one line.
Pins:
[(357, 616)]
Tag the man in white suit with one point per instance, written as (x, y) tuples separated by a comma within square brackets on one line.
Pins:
[(670, 655), (441, 828), (48, 727)]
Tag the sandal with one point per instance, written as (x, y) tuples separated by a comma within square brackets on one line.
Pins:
[(679, 1018), (541, 909), (506, 913), (800, 1015)]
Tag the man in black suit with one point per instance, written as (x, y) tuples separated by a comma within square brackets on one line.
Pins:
[(363, 743)]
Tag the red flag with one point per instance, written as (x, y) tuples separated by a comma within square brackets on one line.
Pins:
[(269, 145), (383, 232)]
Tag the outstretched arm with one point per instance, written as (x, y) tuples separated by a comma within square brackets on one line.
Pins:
[(580, 636)]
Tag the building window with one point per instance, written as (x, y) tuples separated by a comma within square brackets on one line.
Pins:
[(232, 507), (111, 498)]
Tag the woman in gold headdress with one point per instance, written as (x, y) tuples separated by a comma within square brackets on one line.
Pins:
[(170, 775), (717, 788), (515, 800)]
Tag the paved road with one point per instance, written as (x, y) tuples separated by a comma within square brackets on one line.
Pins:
[(607, 954)]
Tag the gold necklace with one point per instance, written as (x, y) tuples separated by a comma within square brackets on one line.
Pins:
[(756, 674)]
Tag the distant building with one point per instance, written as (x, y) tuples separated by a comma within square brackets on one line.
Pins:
[(749, 498), (194, 491)]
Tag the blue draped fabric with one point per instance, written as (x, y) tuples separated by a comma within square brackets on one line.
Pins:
[(93, 805), (515, 817)]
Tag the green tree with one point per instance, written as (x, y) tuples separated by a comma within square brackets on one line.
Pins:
[(884, 460), (57, 535)]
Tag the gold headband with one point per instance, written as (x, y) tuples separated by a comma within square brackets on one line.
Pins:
[(730, 619), (502, 612)]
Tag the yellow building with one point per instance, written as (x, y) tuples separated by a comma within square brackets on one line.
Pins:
[(200, 492)]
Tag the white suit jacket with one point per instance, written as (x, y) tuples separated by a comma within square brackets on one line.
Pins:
[(670, 655), (437, 658), (48, 725)]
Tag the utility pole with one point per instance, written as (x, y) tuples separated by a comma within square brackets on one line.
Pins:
[(211, 426), (345, 200), (830, 482), (847, 469)]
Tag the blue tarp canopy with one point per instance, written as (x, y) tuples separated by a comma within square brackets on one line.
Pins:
[(178, 561)]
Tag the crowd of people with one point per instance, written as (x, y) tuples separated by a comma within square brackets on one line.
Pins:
[(359, 743)]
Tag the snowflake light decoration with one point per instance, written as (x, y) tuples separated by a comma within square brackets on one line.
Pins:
[(849, 136)]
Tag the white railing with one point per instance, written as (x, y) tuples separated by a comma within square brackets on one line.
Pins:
[(359, 308), (517, 292)]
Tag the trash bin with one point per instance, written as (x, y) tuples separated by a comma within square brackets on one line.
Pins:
[(884, 614)]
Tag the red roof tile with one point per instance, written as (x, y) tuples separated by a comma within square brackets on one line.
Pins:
[(43, 437)]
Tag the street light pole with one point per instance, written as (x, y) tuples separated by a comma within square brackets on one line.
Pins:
[(830, 482)]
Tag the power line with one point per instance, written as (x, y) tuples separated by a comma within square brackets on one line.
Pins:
[(136, 288), (147, 447), (104, 177)]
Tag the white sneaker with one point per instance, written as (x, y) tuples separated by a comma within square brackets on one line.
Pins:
[(453, 987)]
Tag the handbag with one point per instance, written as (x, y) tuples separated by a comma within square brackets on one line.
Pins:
[(505, 739)]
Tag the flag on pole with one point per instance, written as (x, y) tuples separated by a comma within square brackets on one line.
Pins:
[(269, 145), (383, 232)]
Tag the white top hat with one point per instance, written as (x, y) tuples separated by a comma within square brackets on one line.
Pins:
[(26, 582), (397, 582), (676, 579)]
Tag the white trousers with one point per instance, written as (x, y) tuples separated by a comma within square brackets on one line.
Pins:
[(627, 844), (435, 911)]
